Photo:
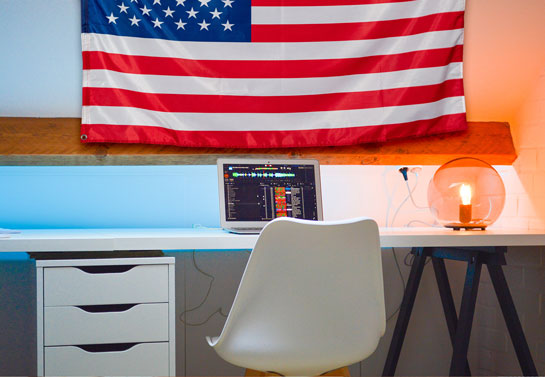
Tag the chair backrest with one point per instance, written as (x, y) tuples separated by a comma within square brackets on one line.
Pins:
[(312, 292)]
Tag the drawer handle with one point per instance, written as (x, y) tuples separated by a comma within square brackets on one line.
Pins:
[(106, 269), (97, 348), (106, 308)]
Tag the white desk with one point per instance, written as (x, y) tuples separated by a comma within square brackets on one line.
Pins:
[(34, 240)]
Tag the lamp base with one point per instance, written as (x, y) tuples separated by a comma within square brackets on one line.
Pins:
[(458, 226)]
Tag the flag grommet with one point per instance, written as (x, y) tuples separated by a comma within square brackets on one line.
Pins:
[(83, 137)]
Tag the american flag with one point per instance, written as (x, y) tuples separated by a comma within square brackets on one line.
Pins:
[(271, 73)]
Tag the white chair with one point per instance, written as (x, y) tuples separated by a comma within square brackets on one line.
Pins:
[(311, 299)]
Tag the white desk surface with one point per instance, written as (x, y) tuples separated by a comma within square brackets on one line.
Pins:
[(36, 240)]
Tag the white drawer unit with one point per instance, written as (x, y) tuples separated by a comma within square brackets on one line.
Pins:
[(145, 359), (110, 316), (125, 284), (116, 324)]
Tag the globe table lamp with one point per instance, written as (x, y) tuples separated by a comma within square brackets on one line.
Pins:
[(466, 193)]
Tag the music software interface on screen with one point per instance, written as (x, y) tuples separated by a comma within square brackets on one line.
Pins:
[(264, 192)]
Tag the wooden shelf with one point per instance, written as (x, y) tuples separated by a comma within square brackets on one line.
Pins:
[(55, 141)]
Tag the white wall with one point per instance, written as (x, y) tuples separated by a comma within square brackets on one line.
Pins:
[(503, 56), (40, 64), (530, 164)]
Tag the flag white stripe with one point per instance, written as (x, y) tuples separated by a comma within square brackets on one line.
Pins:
[(274, 122), (273, 87), (351, 13), (270, 51)]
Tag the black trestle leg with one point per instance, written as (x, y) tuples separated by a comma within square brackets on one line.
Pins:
[(512, 320), (467, 310), (405, 312), (447, 301), (460, 328)]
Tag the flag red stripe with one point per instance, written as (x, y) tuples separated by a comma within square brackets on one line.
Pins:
[(271, 68), (106, 133), (357, 30), (179, 103), (304, 3)]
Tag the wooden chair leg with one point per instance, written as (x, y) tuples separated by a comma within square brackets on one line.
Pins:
[(257, 373), (341, 372)]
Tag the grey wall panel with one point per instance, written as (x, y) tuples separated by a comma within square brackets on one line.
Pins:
[(17, 318), (212, 279)]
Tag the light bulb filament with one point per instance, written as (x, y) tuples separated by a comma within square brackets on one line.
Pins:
[(465, 194)]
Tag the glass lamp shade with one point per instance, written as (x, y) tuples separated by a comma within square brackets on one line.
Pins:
[(466, 193)]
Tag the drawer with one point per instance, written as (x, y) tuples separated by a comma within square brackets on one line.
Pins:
[(72, 325), (147, 359), (98, 285)]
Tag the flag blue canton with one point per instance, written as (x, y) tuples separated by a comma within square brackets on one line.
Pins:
[(181, 20)]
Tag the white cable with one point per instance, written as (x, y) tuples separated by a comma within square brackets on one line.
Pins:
[(389, 196), (409, 195), (218, 310), (397, 210), (411, 192)]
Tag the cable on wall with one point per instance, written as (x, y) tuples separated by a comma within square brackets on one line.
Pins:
[(219, 310), (402, 282), (408, 259)]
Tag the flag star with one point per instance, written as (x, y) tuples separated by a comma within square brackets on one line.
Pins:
[(227, 26), (192, 13), (215, 13), (134, 21), (180, 24), (204, 2), (203, 25), (157, 23), (145, 11), (168, 12), (156, 2), (123, 8), (180, 2), (111, 18), (134, 1), (227, 3)]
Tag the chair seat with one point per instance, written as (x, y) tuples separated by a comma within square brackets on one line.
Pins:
[(311, 299)]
